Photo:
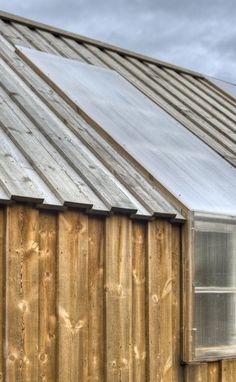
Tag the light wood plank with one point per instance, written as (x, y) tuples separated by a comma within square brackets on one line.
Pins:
[(14, 174), (2, 292), (153, 300), (57, 43), (217, 92), (160, 301), (118, 289), (164, 241), (73, 297), (205, 96), (214, 372), (47, 296), (228, 370), (96, 318), (13, 36), (47, 163), (22, 309), (84, 54), (196, 373), (34, 39), (139, 302)]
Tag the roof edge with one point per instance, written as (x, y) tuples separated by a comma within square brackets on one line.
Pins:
[(57, 31)]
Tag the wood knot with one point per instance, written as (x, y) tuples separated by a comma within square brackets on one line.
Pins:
[(47, 276), (159, 235), (139, 355), (124, 362), (23, 306), (138, 280), (69, 323), (167, 288), (155, 299), (11, 357), (115, 290), (43, 357)]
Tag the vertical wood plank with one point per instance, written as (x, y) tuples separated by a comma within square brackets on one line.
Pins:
[(160, 301), (22, 294), (47, 296), (196, 373), (139, 301), (118, 299), (176, 303), (153, 298), (73, 297), (2, 292), (214, 372), (96, 336), (228, 370), (164, 238)]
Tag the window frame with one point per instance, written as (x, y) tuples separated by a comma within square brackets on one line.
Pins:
[(190, 353)]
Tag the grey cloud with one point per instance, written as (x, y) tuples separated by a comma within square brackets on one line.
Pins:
[(195, 34)]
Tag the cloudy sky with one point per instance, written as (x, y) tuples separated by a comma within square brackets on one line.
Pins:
[(197, 34)]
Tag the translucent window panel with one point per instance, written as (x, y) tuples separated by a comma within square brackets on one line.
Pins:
[(214, 261), (228, 87), (215, 320), (214, 281), (187, 167)]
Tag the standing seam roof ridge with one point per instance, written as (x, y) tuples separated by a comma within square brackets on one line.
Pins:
[(8, 17), (215, 91), (199, 92)]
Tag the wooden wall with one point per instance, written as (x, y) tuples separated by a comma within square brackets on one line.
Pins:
[(92, 299)]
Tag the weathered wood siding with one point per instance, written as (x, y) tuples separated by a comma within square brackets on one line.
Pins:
[(84, 298)]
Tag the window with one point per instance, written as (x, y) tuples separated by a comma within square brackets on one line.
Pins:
[(214, 287)]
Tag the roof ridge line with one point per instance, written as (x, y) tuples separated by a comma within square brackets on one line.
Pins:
[(58, 31)]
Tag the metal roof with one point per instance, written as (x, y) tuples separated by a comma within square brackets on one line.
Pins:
[(42, 167)]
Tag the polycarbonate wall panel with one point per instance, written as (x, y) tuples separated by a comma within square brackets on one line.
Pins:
[(215, 320), (224, 85), (215, 264), (214, 274), (186, 166)]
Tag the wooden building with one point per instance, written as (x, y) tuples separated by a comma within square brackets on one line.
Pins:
[(117, 214)]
